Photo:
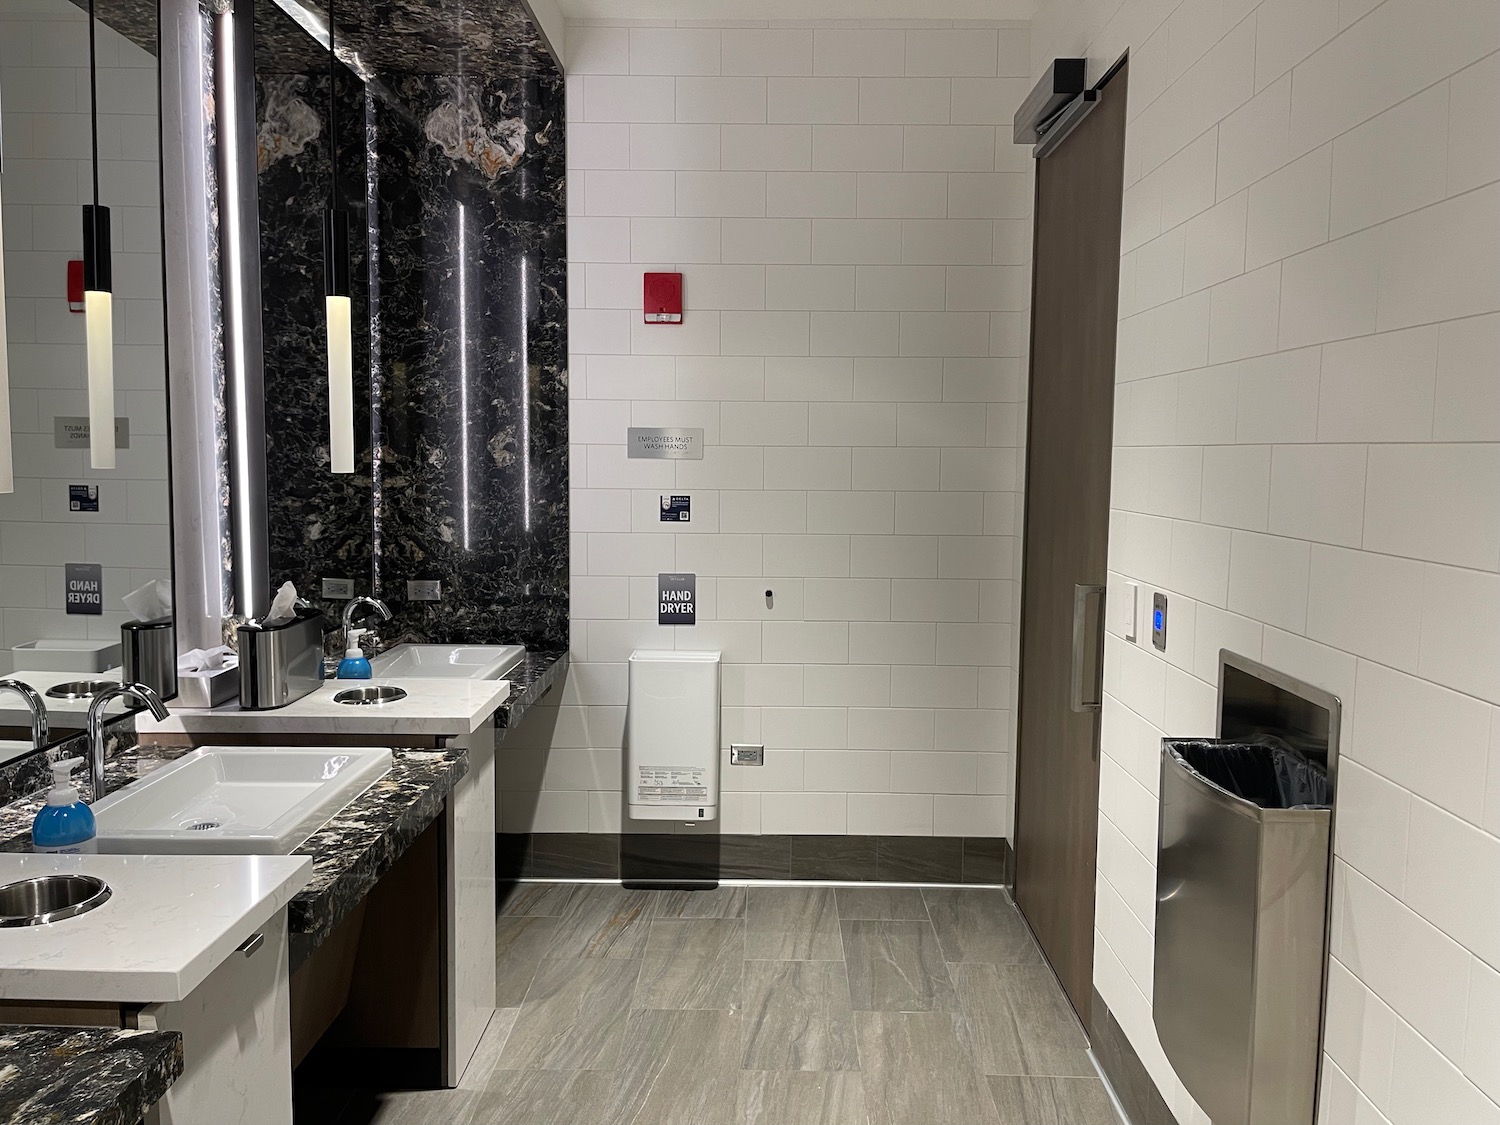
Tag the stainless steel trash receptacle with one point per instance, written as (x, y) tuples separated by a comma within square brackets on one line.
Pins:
[(1242, 905)]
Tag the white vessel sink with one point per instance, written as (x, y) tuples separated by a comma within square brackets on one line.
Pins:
[(238, 800), (447, 662)]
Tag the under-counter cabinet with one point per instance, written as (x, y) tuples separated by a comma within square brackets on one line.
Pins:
[(193, 944), (237, 1039)]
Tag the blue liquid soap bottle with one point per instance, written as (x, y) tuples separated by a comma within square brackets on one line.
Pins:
[(354, 666), (65, 823)]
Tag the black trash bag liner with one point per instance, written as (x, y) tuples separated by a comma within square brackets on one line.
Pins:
[(1264, 771)]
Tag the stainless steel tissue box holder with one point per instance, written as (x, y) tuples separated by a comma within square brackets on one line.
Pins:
[(1242, 915), (279, 664)]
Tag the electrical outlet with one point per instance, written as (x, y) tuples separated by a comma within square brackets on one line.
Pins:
[(338, 588), (741, 754), (424, 590)]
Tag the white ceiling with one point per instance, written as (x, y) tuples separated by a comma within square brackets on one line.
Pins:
[(1021, 10)]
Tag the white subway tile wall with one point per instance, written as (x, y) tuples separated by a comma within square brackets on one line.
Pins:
[(850, 218), (44, 97), (1306, 463)]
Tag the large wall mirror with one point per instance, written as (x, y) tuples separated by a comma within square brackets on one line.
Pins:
[(75, 541)]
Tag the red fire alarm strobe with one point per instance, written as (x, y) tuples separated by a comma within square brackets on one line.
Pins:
[(663, 302)]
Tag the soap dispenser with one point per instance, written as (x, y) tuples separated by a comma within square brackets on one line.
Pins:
[(354, 666), (64, 823)]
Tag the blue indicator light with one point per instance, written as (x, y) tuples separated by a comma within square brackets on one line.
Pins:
[(1158, 619)]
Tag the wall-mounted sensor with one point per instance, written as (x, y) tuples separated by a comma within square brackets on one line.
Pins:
[(1159, 621)]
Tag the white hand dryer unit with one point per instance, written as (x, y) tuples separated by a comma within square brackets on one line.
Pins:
[(672, 736)]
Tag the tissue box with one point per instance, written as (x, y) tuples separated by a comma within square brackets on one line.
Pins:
[(212, 688)]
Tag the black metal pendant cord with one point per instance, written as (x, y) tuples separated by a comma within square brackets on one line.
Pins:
[(333, 133), (98, 272), (94, 100), (335, 218)]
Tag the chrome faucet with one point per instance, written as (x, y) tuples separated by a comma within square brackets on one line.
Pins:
[(35, 704), (96, 726), (351, 611)]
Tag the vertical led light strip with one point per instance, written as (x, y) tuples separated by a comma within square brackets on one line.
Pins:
[(7, 461), (463, 358), (248, 585), (98, 295), (525, 398)]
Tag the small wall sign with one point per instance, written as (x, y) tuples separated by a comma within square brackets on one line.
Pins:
[(69, 432), (676, 509), (665, 443), (677, 599), (83, 497), (84, 586)]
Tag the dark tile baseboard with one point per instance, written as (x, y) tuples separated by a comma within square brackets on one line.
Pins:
[(1123, 1067), (865, 859)]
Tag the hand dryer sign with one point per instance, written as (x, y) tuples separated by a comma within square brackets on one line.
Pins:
[(676, 509), (84, 586), (676, 599), (83, 497)]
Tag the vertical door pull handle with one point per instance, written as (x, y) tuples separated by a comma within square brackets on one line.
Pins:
[(1088, 637)]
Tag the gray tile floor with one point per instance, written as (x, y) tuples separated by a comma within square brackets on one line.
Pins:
[(769, 1006)]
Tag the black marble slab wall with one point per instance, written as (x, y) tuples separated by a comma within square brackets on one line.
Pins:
[(471, 483), (457, 183)]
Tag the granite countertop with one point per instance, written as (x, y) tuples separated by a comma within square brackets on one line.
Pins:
[(169, 922), (84, 1076), (350, 853), (354, 849), (529, 681)]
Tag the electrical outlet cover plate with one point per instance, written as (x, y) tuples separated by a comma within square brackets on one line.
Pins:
[(341, 588), (424, 590), (745, 755)]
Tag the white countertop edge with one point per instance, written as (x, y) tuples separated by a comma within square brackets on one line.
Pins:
[(449, 709), (89, 978)]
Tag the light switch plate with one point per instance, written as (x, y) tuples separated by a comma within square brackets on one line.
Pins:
[(1128, 604), (742, 754), (424, 590), (340, 588)]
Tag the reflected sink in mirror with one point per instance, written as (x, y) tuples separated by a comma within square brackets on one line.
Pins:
[(236, 800), (447, 662)]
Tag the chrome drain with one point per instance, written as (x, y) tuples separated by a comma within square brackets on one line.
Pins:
[(201, 825)]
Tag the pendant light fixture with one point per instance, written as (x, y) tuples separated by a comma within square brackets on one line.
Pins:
[(337, 293), (98, 295), (7, 463)]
